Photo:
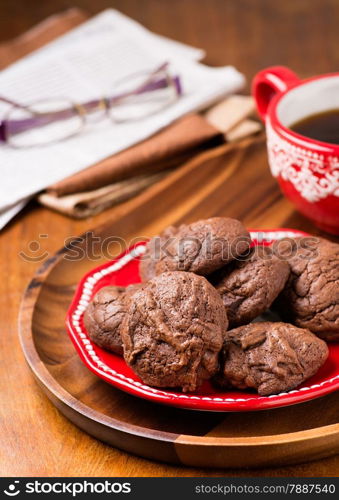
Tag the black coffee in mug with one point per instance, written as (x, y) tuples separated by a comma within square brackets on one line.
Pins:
[(320, 126)]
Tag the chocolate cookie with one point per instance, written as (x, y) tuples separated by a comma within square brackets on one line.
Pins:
[(104, 315), (310, 298), (249, 286), (154, 248), (270, 357), (200, 247), (173, 330)]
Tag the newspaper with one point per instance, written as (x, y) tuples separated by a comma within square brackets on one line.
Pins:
[(82, 65)]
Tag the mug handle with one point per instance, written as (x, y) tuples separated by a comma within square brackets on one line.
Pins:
[(269, 82)]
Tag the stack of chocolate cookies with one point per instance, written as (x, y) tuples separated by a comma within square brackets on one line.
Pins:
[(195, 315)]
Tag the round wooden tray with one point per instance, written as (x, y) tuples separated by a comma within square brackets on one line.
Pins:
[(255, 439)]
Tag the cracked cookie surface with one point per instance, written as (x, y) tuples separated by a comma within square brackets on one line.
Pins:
[(173, 331), (270, 357), (248, 286), (310, 298), (154, 248), (104, 315), (200, 247)]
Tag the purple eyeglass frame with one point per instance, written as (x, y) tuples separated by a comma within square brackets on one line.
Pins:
[(149, 85)]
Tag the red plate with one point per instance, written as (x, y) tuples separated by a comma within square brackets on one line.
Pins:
[(125, 270)]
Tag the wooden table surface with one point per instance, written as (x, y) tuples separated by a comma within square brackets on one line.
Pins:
[(303, 34)]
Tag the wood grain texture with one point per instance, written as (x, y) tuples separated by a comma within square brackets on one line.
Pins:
[(149, 430), (36, 439)]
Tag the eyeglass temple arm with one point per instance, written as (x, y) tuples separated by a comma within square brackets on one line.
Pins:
[(2, 122), (40, 120), (149, 86), (2, 132)]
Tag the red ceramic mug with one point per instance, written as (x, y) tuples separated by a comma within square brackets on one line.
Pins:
[(306, 169)]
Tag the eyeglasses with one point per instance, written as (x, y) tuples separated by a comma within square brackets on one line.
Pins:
[(135, 97)]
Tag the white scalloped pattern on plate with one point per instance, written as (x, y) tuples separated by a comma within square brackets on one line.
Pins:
[(85, 298)]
